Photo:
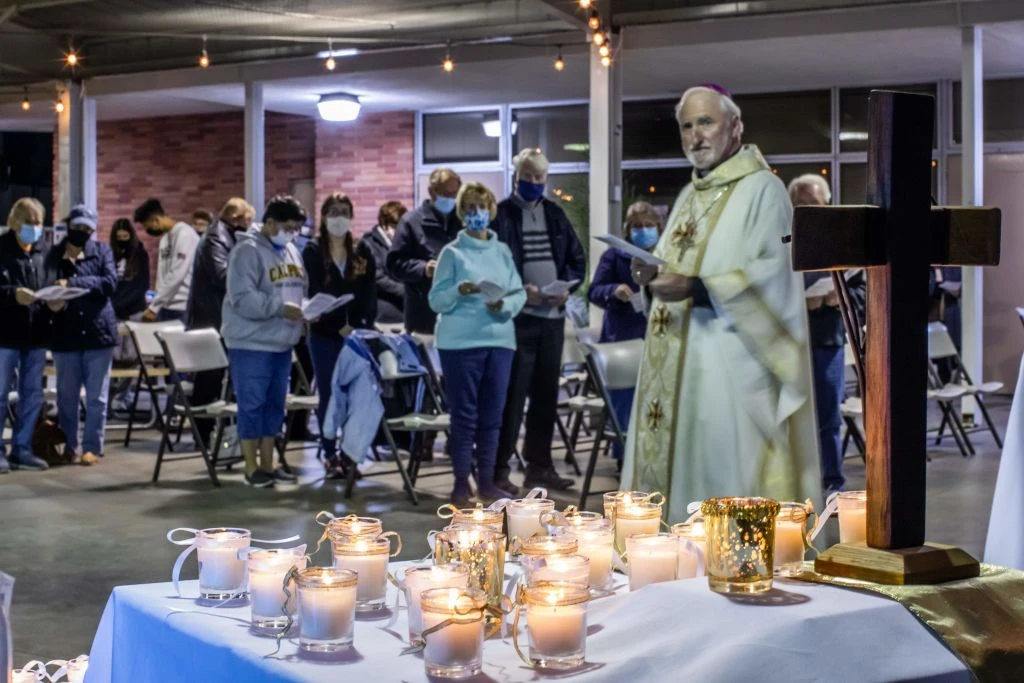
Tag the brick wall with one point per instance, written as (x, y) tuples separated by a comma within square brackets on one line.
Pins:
[(370, 160)]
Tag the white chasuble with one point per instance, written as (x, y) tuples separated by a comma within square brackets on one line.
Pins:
[(724, 403)]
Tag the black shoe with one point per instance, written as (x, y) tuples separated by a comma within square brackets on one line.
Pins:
[(548, 479), (285, 474), (501, 482), (260, 479)]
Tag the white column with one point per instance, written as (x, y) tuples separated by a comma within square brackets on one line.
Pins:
[(66, 169), (76, 150), (605, 152), (255, 173), (972, 194)]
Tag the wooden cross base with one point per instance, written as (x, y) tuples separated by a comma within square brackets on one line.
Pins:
[(925, 564)]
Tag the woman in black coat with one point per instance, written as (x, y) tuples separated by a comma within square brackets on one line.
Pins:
[(132, 263)]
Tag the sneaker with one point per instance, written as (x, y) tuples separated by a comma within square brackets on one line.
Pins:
[(260, 479), (285, 475), (5, 467), (28, 462), (548, 479), (89, 459)]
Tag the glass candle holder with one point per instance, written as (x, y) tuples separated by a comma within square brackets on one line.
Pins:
[(653, 558), (482, 551), (327, 606), (853, 526), (741, 543), (76, 669), (790, 535), (368, 558), (221, 571), (524, 516), (692, 555), (267, 570), (556, 623), (612, 498), (352, 527), (420, 579), (566, 568), (476, 517), (595, 542), (454, 650), (26, 676), (546, 546), (633, 518)]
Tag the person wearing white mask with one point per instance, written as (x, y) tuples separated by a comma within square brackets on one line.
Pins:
[(262, 316), (337, 264)]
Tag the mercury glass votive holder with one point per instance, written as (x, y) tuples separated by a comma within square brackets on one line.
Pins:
[(268, 568), (482, 551), (368, 558), (327, 606), (556, 623), (741, 543), (455, 648), (221, 571)]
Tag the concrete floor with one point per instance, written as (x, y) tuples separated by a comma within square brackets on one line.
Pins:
[(71, 534)]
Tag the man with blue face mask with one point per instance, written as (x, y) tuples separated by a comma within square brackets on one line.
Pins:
[(22, 333), (419, 238)]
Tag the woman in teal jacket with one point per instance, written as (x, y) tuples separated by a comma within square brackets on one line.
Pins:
[(476, 293)]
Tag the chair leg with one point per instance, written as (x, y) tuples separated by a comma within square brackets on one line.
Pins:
[(199, 442), (218, 439), (131, 411), (570, 452), (401, 469), (942, 428), (988, 421), (594, 452)]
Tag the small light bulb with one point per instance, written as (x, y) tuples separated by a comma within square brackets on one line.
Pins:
[(585, 4), (448, 64), (59, 107), (606, 61), (25, 104), (598, 38), (204, 60), (72, 58), (594, 22), (559, 62), (604, 51), (330, 64)]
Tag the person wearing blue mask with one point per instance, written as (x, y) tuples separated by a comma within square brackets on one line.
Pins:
[(476, 340), (545, 248), (613, 289), (418, 240), (22, 253)]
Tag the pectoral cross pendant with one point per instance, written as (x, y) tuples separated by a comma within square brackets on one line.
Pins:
[(683, 236)]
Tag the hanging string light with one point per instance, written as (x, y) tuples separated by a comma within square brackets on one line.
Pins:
[(594, 21), (25, 104), (604, 50), (330, 64), (599, 38), (585, 4), (204, 58), (59, 106), (448, 64), (606, 60), (71, 58), (559, 62)]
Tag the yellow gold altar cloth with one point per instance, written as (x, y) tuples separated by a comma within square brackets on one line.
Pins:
[(981, 620)]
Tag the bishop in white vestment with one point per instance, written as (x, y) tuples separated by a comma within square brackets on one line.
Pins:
[(724, 404)]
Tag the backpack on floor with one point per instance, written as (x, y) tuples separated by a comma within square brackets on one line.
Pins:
[(48, 442)]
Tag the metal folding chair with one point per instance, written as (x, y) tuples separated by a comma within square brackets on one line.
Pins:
[(152, 364)]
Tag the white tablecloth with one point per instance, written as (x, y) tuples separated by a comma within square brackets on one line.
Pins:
[(670, 632), (1005, 542)]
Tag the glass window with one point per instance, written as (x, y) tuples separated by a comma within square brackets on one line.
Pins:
[(494, 180), (658, 186), (650, 131), (854, 183), (853, 114), (571, 191), (458, 137), (1003, 101), (788, 123), (787, 172), (562, 133)]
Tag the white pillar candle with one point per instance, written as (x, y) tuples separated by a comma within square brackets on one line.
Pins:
[(524, 516), (221, 571), (690, 564), (653, 558), (556, 622), (633, 519), (789, 542), (327, 601), (368, 558), (568, 568), (595, 542), (455, 650), (853, 527), (267, 570), (419, 579)]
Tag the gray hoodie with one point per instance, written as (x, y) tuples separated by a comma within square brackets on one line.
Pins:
[(261, 280)]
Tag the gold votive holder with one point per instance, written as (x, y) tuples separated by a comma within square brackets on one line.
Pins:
[(482, 551), (740, 542), (556, 623), (327, 604), (633, 518), (524, 516), (419, 579), (368, 558), (453, 631), (268, 568), (791, 537), (569, 568)]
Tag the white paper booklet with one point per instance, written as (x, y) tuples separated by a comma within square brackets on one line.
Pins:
[(322, 304), (55, 293), (491, 290), (558, 287), (631, 249)]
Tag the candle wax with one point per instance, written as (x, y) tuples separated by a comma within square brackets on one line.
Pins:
[(372, 571), (326, 614), (418, 582), (651, 566), (524, 522), (454, 645), (687, 566), (220, 569), (852, 525), (626, 527), (556, 630), (789, 542), (266, 593)]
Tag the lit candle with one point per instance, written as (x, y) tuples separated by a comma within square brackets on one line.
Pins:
[(595, 543), (692, 555), (327, 601), (420, 579), (455, 650), (221, 572), (633, 518), (567, 568), (368, 558), (545, 546), (524, 516), (653, 558), (556, 622), (25, 676), (853, 527), (267, 569), (790, 527)]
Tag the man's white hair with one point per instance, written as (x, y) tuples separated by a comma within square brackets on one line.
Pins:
[(811, 179), (534, 157), (727, 103)]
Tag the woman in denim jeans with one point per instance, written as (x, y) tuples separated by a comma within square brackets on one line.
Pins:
[(82, 331)]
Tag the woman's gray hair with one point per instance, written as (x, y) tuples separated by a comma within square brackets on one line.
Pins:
[(727, 103), (534, 156), (811, 179)]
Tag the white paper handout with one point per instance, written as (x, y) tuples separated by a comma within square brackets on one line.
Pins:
[(558, 287), (631, 249), (638, 302), (322, 304), (491, 290), (55, 293)]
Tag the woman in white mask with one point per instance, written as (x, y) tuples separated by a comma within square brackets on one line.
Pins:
[(337, 264)]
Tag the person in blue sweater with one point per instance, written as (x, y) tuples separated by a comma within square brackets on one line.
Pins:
[(612, 288), (476, 293)]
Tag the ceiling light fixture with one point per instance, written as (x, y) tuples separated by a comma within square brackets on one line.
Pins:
[(599, 38), (59, 106), (559, 62), (604, 50), (448, 64), (71, 58), (492, 126), (330, 64), (339, 107), (594, 21), (585, 4), (25, 104), (204, 58)]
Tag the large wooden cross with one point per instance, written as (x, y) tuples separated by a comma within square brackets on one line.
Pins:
[(896, 239)]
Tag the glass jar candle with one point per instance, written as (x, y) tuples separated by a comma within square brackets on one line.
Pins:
[(455, 648), (351, 527), (790, 535), (420, 579), (612, 498), (478, 516), (741, 543), (524, 516), (567, 568), (853, 526), (76, 669), (482, 551), (327, 606), (633, 518), (556, 624), (653, 558), (268, 568), (693, 548), (368, 558), (595, 542), (26, 676), (546, 546), (221, 570)]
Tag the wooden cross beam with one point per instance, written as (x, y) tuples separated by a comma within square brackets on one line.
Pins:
[(896, 239)]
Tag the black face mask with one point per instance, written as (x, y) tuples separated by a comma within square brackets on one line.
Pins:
[(155, 232), (78, 238)]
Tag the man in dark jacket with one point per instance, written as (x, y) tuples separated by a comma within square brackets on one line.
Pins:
[(418, 241), (390, 292), (21, 333), (207, 291), (545, 249)]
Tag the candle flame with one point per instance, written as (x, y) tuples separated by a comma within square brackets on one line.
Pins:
[(478, 515), (361, 544)]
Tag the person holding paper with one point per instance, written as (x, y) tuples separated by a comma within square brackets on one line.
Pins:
[(262, 323), (476, 340), (545, 248), (337, 264), (23, 331), (82, 332), (178, 242)]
